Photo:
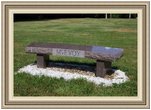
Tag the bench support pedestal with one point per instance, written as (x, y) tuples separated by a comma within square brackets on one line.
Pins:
[(42, 60), (102, 67)]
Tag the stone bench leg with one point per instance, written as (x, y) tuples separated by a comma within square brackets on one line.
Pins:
[(42, 60), (102, 67)]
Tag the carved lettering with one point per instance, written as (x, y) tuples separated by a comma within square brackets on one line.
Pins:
[(68, 52)]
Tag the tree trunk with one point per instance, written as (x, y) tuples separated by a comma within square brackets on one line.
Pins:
[(129, 16), (106, 16), (110, 15)]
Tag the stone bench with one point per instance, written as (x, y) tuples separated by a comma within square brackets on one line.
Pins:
[(103, 55)]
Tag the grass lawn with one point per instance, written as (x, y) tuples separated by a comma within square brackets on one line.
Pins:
[(121, 33)]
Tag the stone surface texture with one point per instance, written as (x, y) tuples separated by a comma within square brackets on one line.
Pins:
[(93, 52)]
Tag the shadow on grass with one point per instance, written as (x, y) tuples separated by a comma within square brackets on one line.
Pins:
[(71, 65), (90, 67)]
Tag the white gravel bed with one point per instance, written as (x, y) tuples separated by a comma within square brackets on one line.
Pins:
[(119, 76)]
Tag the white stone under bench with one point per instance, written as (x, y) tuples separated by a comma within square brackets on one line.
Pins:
[(119, 76)]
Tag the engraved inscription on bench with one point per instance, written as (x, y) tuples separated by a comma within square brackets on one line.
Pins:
[(68, 52)]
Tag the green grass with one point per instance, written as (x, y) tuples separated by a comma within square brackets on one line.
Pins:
[(120, 33)]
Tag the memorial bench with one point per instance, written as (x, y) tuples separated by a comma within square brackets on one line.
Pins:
[(103, 55)]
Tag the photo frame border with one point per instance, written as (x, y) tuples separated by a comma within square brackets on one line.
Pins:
[(7, 101)]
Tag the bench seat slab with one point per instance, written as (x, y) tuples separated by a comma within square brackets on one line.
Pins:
[(93, 52)]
